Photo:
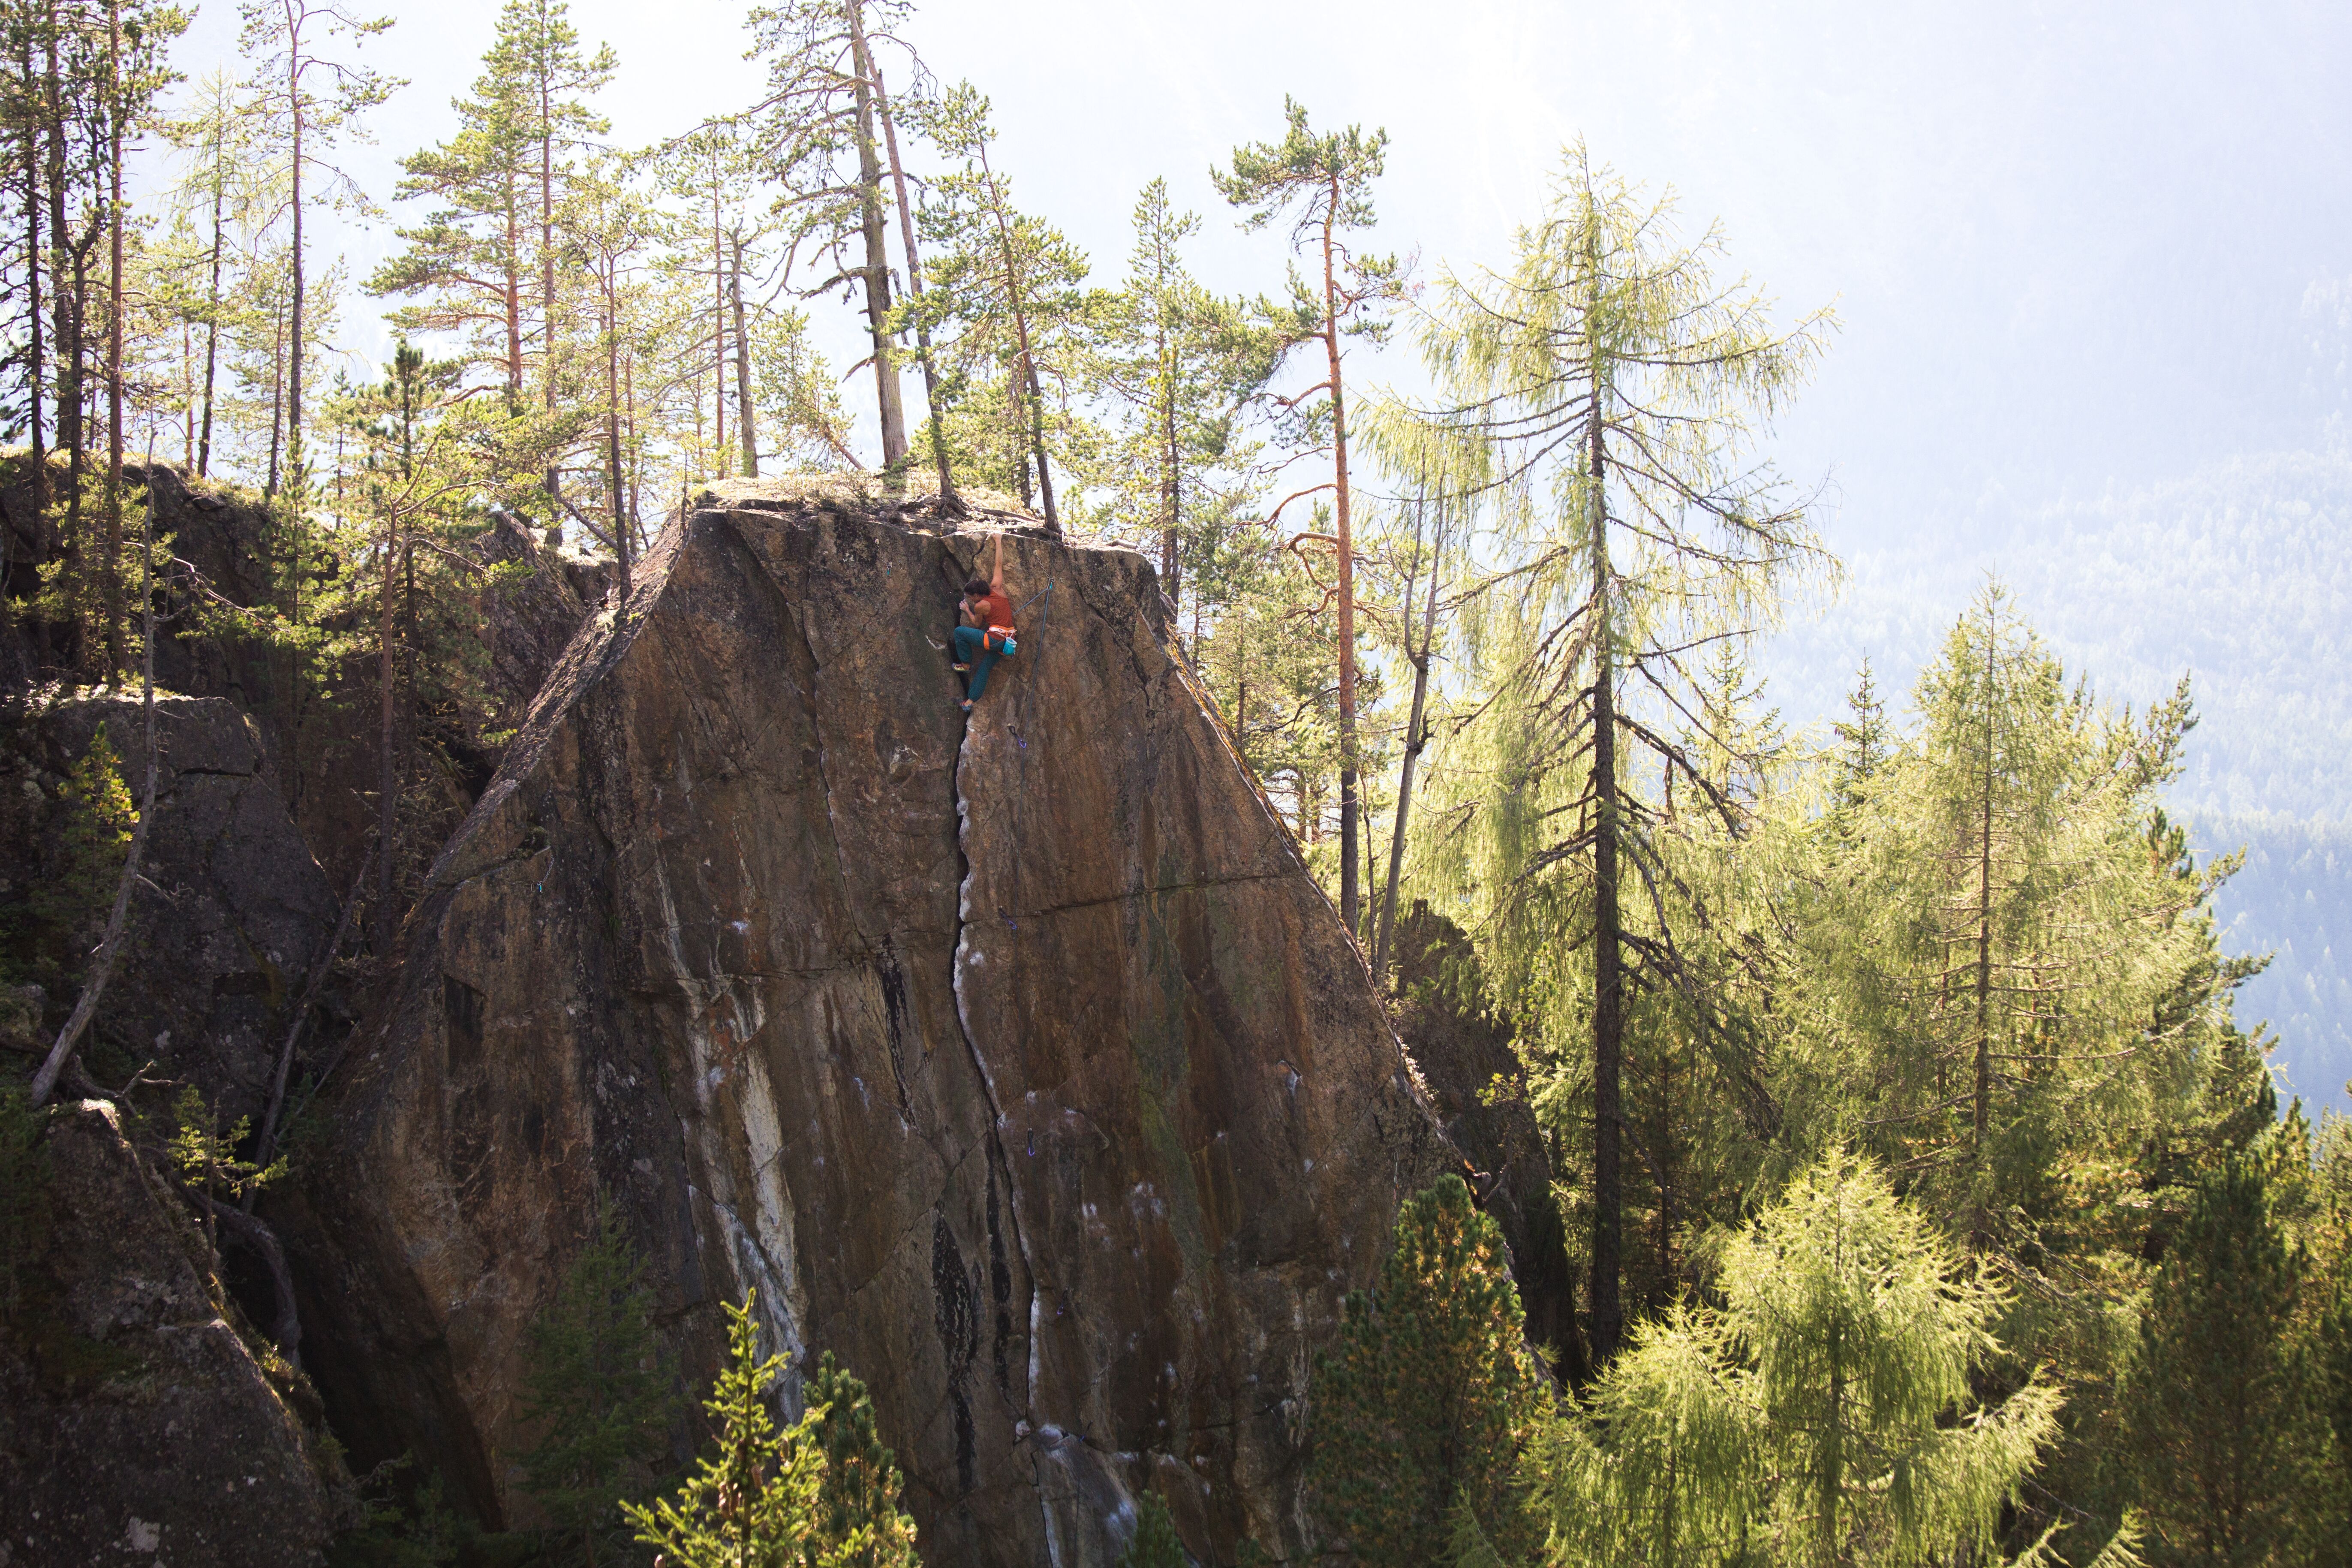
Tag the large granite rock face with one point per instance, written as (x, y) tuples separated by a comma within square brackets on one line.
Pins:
[(1021, 1063), (136, 1425)]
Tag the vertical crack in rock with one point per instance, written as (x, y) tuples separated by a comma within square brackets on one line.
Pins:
[(999, 1162)]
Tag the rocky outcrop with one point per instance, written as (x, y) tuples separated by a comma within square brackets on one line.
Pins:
[(136, 1425), (233, 911), (1020, 1062)]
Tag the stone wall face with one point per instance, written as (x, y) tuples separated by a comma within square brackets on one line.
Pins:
[(1019, 1063)]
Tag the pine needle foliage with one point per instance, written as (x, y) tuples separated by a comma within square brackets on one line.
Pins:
[(1156, 1544), (754, 1502), (1825, 1413), (859, 1505), (2218, 1402), (1425, 1405), (601, 1392)]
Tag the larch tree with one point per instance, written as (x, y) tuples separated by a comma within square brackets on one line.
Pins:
[(1615, 384), (1322, 185), (1825, 1415)]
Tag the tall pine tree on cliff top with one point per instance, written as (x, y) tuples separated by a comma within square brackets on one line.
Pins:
[(1323, 185)]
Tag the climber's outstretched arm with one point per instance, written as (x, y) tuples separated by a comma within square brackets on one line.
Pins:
[(996, 582)]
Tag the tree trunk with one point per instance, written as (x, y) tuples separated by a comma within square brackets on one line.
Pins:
[(1347, 804), (1608, 958), (35, 365), (1415, 738), (66, 304), (1027, 372), (212, 311), (294, 313), (745, 421), (554, 478), (510, 267), (1983, 1108), (111, 946), (613, 437), (111, 585), (387, 828), (1171, 478), (877, 270), (718, 328), (914, 287)]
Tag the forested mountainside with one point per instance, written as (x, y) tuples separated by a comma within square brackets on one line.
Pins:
[(2293, 900), (1141, 952)]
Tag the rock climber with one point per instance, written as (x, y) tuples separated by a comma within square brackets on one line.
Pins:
[(984, 631)]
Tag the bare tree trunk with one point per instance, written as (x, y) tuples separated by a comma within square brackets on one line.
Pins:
[(1027, 370), (1608, 956), (914, 287), (1416, 733), (877, 270), (111, 946), (111, 585), (212, 313), (311, 989), (1347, 801), (745, 422), (387, 777)]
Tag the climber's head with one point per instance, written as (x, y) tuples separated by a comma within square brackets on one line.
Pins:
[(976, 589)]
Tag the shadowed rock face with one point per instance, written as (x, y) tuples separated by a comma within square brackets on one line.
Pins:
[(233, 912), (136, 1425), (1022, 1065)]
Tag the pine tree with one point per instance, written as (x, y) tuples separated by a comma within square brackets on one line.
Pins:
[(1180, 362), (820, 135), (1428, 1399), (1156, 1544), (2223, 1433), (1009, 312), (598, 1387), (860, 1524), (1323, 183)]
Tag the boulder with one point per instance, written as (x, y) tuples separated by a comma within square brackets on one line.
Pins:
[(136, 1424), (1019, 1061)]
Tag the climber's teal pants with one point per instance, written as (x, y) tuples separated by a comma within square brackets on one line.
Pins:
[(972, 648)]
